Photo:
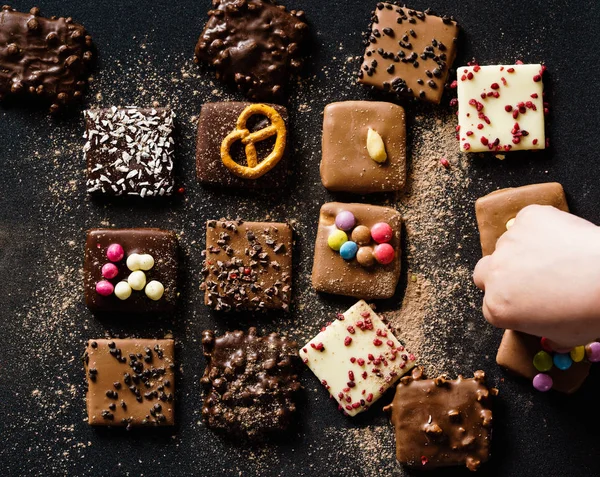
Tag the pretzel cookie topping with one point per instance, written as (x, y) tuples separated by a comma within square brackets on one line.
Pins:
[(255, 169)]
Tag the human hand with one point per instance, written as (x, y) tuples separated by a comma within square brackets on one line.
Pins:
[(544, 277)]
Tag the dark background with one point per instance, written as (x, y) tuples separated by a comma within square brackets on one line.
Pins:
[(145, 51)]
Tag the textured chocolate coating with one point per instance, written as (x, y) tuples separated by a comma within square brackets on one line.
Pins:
[(253, 44), (441, 422), (161, 244), (129, 151), (130, 382), (496, 209), (346, 164), (251, 383), (248, 265), (516, 354), (409, 52), (332, 274), (46, 58), (216, 121)]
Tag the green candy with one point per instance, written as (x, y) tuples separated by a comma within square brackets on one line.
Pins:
[(542, 361)]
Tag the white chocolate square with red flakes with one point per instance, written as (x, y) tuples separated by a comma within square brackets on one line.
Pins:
[(501, 108), (357, 358)]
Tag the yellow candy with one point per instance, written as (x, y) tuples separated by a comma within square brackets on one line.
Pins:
[(578, 353), (336, 239)]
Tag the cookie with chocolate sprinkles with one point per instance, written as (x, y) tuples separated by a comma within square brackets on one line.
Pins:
[(248, 265), (251, 382)]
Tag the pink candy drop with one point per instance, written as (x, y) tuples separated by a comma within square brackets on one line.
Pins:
[(384, 253), (109, 270), (542, 382), (115, 252), (592, 351), (104, 288), (382, 232)]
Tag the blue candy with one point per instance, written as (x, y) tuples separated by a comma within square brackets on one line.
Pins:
[(562, 361), (348, 250)]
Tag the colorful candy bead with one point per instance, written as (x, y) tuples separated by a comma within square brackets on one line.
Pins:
[(545, 342), (348, 250), (365, 257), (146, 262), (123, 290), (592, 352), (133, 262), (577, 354), (115, 252), (384, 253), (154, 290), (542, 382), (104, 288), (137, 280), (562, 361), (336, 239), (361, 235), (542, 361), (510, 223), (382, 232), (345, 220), (109, 270)]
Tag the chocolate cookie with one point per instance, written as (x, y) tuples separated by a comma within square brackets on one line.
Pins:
[(348, 163), (409, 52), (248, 265), (129, 151), (130, 382), (441, 422), (47, 58), (253, 44), (251, 383)]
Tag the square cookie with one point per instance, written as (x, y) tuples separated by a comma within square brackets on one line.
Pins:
[(495, 211), (252, 383), (516, 354), (441, 422), (409, 52), (131, 270), (130, 382), (255, 45), (248, 265), (129, 151), (346, 163), (361, 274), (357, 358), (216, 122), (501, 108)]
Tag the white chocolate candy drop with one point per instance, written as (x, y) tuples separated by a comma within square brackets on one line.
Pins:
[(133, 262), (510, 223), (375, 146), (137, 280), (154, 290), (122, 290), (146, 262)]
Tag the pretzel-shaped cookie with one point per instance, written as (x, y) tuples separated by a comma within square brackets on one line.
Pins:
[(255, 169)]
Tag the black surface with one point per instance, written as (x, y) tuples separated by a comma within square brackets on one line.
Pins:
[(45, 211)]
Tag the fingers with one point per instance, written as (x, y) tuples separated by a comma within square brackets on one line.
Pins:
[(481, 271)]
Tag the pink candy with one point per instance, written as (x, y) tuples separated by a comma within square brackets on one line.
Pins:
[(542, 382), (104, 288), (345, 220), (109, 270), (382, 232), (592, 351), (115, 252), (384, 253)]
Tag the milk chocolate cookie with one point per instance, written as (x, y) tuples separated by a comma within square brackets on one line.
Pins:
[(364, 147), (217, 122), (251, 382), (131, 270), (357, 251), (248, 265), (47, 58), (253, 44), (496, 211), (441, 422), (409, 52), (130, 382)]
